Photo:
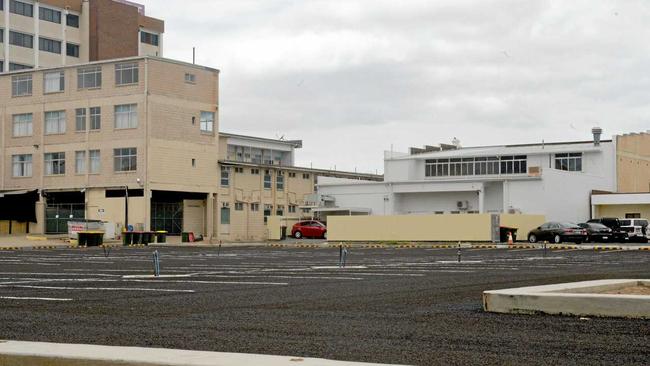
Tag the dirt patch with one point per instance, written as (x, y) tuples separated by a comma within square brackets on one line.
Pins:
[(631, 290)]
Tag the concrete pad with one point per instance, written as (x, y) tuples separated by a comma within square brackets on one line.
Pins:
[(14, 353), (587, 298)]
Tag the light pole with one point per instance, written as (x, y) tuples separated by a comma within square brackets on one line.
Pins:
[(126, 208)]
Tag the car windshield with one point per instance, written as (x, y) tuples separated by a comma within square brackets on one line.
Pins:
[(569, 225), (642, 222), (626, 222), (598, 226)]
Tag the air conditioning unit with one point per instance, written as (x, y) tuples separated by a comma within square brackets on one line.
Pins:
[(462, 205), (534, 171)]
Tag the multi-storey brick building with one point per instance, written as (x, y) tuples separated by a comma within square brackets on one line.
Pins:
[(258, 179), (78, 135), (51, 33)]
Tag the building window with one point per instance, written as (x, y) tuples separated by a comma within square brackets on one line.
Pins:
[(95, 118), (89, 77), (491, 165), (292, 175), (21, 39), (126, 73), (305, 210), (571, 162), (225, 176), (292, 208), (21, 8), (125, 159), (80, 162), (72, 20), (21, 85), (267, 212), (55, 163), (255, 206), (72, 49), (193, 163), (267, 179), (54, 122), (94, 160), (49, 15), (22, 165), (54, 81), (207, 121), (279, 181), (22, 125), (225, 215), (255, 171), (305, 176), (632, 215), (14, 67), (149, 38), (280, 210), (80, 119), (239, 206), (126, 116), (190, 78), (239, 170)]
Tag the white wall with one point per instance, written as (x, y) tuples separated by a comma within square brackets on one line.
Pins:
[(430, 202), (493, 197)]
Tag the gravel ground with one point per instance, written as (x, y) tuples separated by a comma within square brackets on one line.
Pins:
[(408, 306)]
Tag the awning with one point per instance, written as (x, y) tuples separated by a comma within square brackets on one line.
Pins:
[(18, 205)]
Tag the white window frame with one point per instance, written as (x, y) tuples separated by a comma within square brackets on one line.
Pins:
[(21, 165), (569, 162), (95, 118), (126, 116), (80, 119), (127, 73), (89, 77), (21, 85), (94, 161), (207, 121), (225, 176), (22, 124), (125, 155), (54, 122), (80, 162), (53, 82), (54, 163)]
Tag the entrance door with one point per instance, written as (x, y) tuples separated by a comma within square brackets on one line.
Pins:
[(57, 216), (167, 216)]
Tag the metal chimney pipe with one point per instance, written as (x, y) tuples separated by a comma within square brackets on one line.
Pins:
[(597, 131)]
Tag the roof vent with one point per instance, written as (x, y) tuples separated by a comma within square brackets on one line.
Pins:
[(597, 131)]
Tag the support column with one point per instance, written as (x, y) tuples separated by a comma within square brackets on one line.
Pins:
[(36, 34), (5, 41), (209, 217), (147, 209), (481, 200)]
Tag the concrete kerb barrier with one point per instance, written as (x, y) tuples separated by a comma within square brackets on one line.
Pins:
[(13, 353)]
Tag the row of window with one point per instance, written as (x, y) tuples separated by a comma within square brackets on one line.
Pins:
[(256, 155), (124, 160), (491, 165), (126, 116), (87, 78), (47, 14), (495, 165), (255, 207), (44, 44), (149, 38), (268, 179)]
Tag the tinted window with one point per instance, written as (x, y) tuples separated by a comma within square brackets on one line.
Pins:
[(642, 222), (626, 222), (72, 20)]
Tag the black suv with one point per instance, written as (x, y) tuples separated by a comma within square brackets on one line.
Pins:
[(618, 234)]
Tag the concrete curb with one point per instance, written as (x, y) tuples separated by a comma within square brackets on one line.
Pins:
[(584, 298), (58, 354)]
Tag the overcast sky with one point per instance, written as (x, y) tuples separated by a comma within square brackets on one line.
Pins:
[(351, 78)]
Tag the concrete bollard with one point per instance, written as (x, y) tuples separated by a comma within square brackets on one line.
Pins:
[(156, 264), (459, 253)]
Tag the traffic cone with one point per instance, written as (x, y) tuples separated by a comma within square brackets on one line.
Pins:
[(510, 242)]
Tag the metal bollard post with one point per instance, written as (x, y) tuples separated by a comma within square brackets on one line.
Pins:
[(340, 255), (345, 257), (459, 253), (544, 250), (219, 250), (156, 264)]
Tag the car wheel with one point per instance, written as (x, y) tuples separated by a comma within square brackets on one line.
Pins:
[(532, 238), (325, 235), (557, 239), (297, 235), (578, 242)]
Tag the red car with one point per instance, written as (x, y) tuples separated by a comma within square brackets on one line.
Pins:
[(309, 229)]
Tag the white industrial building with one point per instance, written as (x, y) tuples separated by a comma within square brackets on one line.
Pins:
[(552, 179)]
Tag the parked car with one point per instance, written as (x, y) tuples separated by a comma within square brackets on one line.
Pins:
[(613, 223), (598, 232), (309, 229), (637, 229), (558, 232)]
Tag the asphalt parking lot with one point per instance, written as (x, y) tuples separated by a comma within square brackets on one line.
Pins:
[(408, 306)]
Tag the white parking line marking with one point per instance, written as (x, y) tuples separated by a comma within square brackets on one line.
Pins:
[(337, 267), (33, 298), (213, 282), (98, 288)]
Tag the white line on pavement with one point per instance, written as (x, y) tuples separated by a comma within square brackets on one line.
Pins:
[(33, 298), (98, 288)]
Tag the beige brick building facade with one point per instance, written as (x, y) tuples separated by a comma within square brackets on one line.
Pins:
[(258, 179), (80, 134), (51, 33), (633, 162)]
